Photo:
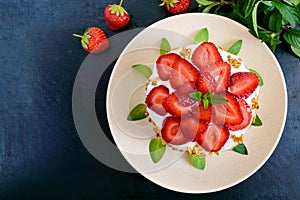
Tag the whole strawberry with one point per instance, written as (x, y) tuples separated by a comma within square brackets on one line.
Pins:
[(93, 40), (116, 16), (176, 6)]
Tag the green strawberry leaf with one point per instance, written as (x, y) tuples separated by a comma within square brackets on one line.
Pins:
[(236, 47), (241, 148), (156, 149), (198, 161), (143, 69), (257, 121), (202, 36), (261, 81), (137, 113), (165, 46)]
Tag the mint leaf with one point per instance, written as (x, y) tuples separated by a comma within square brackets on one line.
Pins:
[(241, 148), (261, 81), (257, 121), (292, 36), (196, 95), (254, 18), (217, 99), (143, 69), (236, 47), (202, 36), (198, 161), (165, 46), (249, 7), (137, 113), (275, 21), (296, 51), (204, 2), (288, 12), (156, 149)]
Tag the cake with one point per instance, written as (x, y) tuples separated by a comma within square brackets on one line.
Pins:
[(201, 99)]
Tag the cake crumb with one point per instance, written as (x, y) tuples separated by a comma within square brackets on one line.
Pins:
[(235, 63), (155, 80), (186, 53), (254, 102), (238, 139)]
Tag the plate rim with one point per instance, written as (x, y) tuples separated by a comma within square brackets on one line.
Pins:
[(271, 151)]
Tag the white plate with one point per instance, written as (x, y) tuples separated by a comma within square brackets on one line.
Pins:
[(174, 171)]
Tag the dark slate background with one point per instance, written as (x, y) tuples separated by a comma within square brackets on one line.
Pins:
[(41, 156)]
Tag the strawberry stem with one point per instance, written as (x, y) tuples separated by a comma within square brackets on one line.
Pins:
[(120, 4), (76, 35)]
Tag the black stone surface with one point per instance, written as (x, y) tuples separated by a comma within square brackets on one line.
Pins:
[(41, 155)]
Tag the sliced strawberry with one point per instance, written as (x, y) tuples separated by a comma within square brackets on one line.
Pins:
[(173, 106), (228, 113), (164, 65), (183, 93), (155, 98), (186, 89), (192, 128), (183, 71), (214, 138), (247, 115), (221, 73), (171, 132), (206, 83), (199, 113), (243, 84), (206, 55)]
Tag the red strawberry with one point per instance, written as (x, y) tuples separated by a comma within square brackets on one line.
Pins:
[(176, 6), (206, 55), (228, 113), (247, 114), (155, 98), (243, 84), (164, 65), (192, 128), (199, 113), (116, 17), (182, 72), (206, 83), (173, 106), (183, 92), (171, 132), (214, 138), (93, 40)]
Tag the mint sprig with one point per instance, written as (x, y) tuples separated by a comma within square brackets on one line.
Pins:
[(236, 47), (143, 69), (137, 113), (272, 21), (198, 161), (208, 98), (241, 148), (157, 149), (165, 46), (202, 36)]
